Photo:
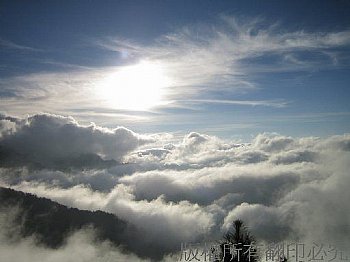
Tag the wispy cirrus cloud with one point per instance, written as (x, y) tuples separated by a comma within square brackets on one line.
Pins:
[(223, 56), (268, 103), (206, 64), (15, 46)]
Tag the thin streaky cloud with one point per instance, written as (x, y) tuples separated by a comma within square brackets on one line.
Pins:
[(12, 45), (269, 103), (65, 65)]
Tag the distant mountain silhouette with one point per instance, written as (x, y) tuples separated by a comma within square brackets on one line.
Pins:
[(52, 223)]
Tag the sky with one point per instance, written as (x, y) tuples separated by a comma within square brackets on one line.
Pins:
[(178, 117), (227, 68)]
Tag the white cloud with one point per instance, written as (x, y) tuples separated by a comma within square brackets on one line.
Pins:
[(46, 138)]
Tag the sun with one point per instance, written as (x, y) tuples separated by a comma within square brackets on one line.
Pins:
[(135, 87)]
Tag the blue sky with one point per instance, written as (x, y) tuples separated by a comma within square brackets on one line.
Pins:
[(227, 68)]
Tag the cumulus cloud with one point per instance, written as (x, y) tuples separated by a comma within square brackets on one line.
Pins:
[(51, 139)]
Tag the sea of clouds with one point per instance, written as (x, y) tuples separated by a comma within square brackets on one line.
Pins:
[(177, 190)]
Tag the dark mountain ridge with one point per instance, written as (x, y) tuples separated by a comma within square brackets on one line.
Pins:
[(52, 223)]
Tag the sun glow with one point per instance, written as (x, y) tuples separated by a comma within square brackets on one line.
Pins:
[(136, 87)]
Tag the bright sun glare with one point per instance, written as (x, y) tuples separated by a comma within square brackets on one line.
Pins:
[(136, 87)]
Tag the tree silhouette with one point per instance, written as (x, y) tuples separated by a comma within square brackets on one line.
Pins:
[(238, 244)]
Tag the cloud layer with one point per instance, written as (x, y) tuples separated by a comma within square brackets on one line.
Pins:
[(174, 191)]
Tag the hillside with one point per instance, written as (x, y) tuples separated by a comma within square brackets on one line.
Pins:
[(52, 223)]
